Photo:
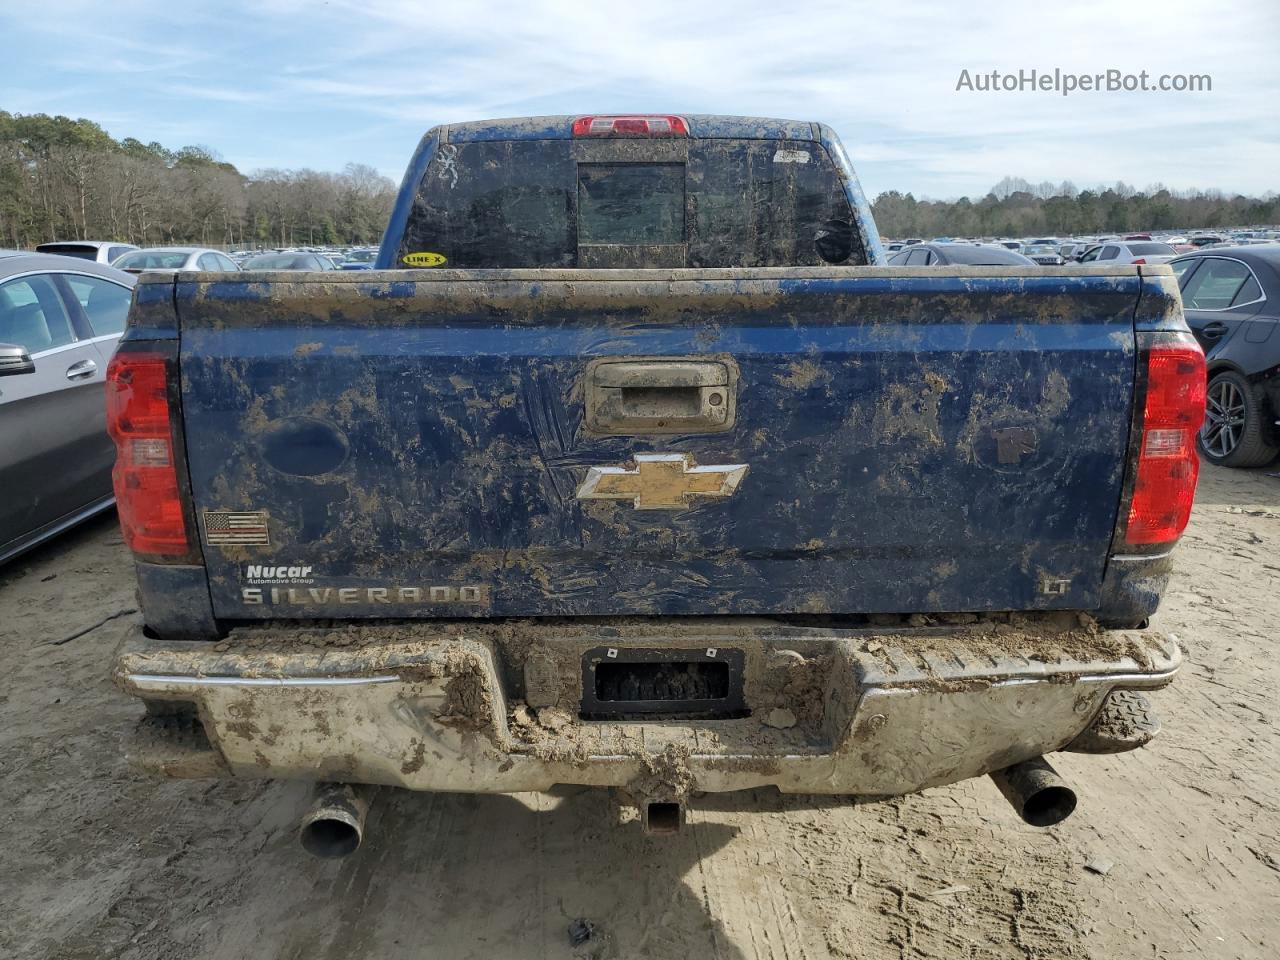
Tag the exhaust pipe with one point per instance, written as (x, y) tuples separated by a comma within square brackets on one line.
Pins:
[(662, 816), (334, 826), (1036, 791)]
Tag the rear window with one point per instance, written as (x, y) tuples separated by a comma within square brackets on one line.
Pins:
[(1152, 250), (988, 256), (616, 203), (76, 250), (281, 261), (630, 203), (151, 260)]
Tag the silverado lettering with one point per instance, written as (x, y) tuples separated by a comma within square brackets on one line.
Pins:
[(351, 595)]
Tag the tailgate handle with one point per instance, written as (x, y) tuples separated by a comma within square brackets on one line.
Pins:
[(660, 395)]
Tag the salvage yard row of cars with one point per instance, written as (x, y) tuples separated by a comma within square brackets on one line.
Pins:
[(62, 310), (134, 259), (1114, 250)]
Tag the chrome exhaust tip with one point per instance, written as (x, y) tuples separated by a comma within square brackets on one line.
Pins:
[(1034, 789), (334, 826)]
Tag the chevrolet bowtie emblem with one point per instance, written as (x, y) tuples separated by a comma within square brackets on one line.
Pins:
[(662, 481)]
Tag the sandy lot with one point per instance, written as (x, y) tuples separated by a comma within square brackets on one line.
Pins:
[(98, 862)]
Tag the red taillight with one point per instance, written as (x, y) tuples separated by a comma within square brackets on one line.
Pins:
[(1165, 482), (630, 126), (139, 419), (1140, 260)]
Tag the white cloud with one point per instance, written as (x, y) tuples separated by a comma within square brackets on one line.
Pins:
[(290, 79)]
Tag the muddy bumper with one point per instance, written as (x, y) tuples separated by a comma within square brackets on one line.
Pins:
[(464, 707)]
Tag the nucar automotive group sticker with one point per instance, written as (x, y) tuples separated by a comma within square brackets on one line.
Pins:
[(424, 259)]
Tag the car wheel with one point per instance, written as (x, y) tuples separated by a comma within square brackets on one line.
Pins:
[(1232, 435)]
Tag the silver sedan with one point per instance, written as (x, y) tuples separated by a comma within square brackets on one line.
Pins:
[(1131, 251), (175, 258), (60, 319)]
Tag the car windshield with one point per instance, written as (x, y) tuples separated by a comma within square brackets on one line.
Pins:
[(1040, 248), (280, 261), (362, 256), (1152, 249), (152, 260)]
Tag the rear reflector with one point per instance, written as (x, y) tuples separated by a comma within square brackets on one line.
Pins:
[(1168, 467), (140, 421), (630, 126)]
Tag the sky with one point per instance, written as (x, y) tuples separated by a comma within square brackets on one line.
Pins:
[(288, 83)]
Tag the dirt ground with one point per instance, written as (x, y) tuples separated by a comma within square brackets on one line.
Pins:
[(97, 862)]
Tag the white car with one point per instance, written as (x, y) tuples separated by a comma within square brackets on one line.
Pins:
[(1133, 251), (175, 258), (98, 251)]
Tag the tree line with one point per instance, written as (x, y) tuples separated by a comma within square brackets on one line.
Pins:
[(64, 179), (1016, 208)]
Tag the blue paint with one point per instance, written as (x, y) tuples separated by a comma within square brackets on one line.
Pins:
[(869, 414), (404, 199)]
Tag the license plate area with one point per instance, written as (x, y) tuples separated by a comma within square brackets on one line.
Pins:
[(620, 683)]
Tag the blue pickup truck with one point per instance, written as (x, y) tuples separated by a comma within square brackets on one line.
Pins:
[(631, 465)]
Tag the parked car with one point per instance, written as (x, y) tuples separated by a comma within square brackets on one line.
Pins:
[(1231, 297), (1043, 254), (957, 254), (99, 251), (59, 324), (176, 258), (289, 261), (1138, 251), (1072, 249), (1204, 240), (1137, 236), (499, 532), (359, 260)]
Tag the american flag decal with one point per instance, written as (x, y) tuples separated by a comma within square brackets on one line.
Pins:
[(224, 528)]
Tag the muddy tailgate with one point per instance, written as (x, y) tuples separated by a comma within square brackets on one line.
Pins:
[(776, 440)]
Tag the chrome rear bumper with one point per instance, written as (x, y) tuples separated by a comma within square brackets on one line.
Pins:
[(446, 707)]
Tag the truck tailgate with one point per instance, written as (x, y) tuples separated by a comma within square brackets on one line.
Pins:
[(421, 443)]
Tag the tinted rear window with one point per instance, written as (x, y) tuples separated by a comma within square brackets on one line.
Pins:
[(152, 260), (1152, 249), (280, 261), (991, 256), (69, 250), (697, 203), (630, 203)]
